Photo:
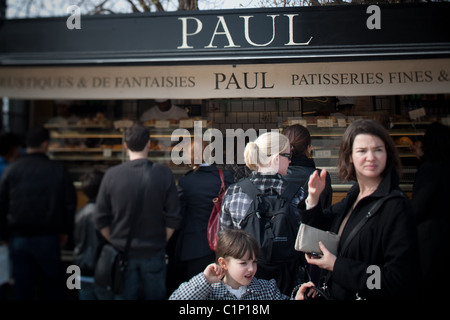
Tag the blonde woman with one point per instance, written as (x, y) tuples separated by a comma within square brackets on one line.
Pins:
[(268, 157)]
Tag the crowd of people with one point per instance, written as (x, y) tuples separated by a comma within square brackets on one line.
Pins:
[(169, 255)]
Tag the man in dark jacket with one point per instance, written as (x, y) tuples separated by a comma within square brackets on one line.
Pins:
[(158, 215), (37, 206), (431, 205)]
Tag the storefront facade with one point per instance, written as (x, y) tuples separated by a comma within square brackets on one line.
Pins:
[(257, 69)]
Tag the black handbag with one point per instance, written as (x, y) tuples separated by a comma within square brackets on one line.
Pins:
[(112, 264), (110, 269)]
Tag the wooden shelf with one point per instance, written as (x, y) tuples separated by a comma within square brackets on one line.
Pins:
[(80, 135)]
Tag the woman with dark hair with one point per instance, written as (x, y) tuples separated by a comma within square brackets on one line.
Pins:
[(302, 164), (300, 169), (197, 189), (377, 254), (431, 205)]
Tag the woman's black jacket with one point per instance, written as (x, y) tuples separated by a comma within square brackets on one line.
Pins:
[(388, 240)]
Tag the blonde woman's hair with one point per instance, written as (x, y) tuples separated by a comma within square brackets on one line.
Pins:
[(257, 153)]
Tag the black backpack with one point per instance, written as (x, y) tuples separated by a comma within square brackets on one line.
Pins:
[(272, 221)]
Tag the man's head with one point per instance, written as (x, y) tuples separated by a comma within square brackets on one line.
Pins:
[(163, 104), (37, 139), (9, 145), (137, 137)]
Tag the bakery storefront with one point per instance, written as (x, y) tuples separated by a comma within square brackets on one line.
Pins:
[(234, 71)]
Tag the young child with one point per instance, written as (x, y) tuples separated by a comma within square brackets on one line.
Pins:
[(86, 240), (232, 276)]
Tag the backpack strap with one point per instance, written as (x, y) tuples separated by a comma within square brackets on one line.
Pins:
[(249, 189), (290, 191), (222, 182), (372, 211), (252, 191)]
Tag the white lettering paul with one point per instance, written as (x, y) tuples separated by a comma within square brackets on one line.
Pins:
[(184, 29), (192, 23), (247, 33), (225, 32), (291, 33)]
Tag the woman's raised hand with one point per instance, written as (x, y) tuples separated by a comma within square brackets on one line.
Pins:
[(316, 185)]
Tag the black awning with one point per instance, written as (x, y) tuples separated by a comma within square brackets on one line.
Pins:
[(301, 34)]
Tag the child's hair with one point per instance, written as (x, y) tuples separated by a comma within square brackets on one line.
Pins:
[(90, 183), (236, 244)]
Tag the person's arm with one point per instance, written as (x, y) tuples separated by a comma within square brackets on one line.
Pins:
[(4, 208), (103, 214), (171, 205), (70, 208), (311, 210), (169, 233), (225, 214), (326, 261), (326, 198), (304, 293), (316, 185), (106, 233), (424, 190)]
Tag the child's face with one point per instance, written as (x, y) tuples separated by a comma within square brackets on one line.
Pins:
[(238, 272)]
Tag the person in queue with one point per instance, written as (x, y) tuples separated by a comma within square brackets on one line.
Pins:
[(85, 236), (300, 169), (158, 216), (37, 207), (197, 189), (431, 205), (268, 157), (232, 275), (302, 164), (387, 242)]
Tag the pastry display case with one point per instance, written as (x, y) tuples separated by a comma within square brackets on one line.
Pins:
[(92, 144), (96, 141)]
